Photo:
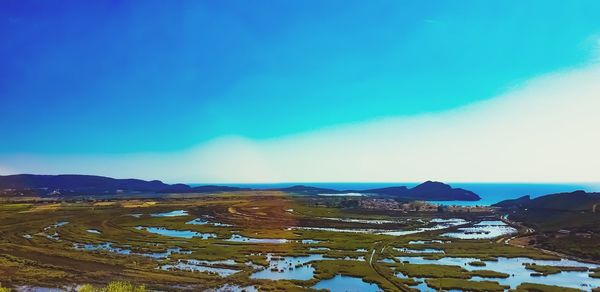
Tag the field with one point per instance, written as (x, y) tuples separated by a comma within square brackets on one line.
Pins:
[(228, 238)]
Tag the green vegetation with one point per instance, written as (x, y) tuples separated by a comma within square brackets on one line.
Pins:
[(488, 274), (465, 285), (477, 264), (443, 271), (4, 289), (36, 252), (530, 287), (432, 271), (14, 207), (328, 269), (549, 270), (548, 222), (113, 287)]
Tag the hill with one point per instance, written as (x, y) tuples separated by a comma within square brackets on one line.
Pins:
[(573, 201), (73, 185), (428, 191)]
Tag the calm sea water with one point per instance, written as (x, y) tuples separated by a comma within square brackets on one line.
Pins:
[(490, 193)]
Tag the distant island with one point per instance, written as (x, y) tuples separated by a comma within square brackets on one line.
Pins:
[(77, 185)]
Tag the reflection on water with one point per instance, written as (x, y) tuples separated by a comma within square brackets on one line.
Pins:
[(427, 241), (318, 248), (239, 238), (483, 230), (108, 246), (343, 283), (201, 266), (234, 288), (290, 268), (177, 233), (515, 267), (201, 221), (439, 225), (175, 213), (310, 241), (365, 221), (294, 268), (426, 250), (52, 230)]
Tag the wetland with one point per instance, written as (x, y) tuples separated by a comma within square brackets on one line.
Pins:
[(270, 241)]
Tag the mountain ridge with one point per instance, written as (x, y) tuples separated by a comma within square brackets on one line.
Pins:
[(74, 184), (569, 201)]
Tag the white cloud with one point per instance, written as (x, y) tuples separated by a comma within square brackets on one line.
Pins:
[(547, 130), (4, 170)]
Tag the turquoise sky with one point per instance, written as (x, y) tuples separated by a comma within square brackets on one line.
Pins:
[(88, 77)]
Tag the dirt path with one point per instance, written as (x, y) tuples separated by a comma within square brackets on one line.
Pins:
[(375, 256)]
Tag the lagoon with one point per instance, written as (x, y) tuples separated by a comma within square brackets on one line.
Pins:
[(515, 267)]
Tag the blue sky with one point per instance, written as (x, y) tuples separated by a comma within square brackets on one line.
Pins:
[(276, 91), (155, 76)]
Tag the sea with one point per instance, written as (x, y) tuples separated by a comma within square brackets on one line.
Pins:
[(490, 193)]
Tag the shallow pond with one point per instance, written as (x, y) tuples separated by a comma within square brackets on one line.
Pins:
[(293, 268), (318, 248), (491, 223), (175, 213), (39, 289), (426, 250), (108, 246), (346, 284), (427, 241), (483, 230), (366, 221), (94, 231), (240, 238), (334, 229), (177, 233), (515, 267), (310, 241), (200, 266), (290, 268), (166, 254), (202, 221), (235, 288), (439, 225), (52, 230)]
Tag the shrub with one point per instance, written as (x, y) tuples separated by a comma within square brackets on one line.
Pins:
[(86, 288), (124, 287), (117, 286)]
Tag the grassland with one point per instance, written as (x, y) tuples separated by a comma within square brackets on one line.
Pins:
[(530, 287)]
